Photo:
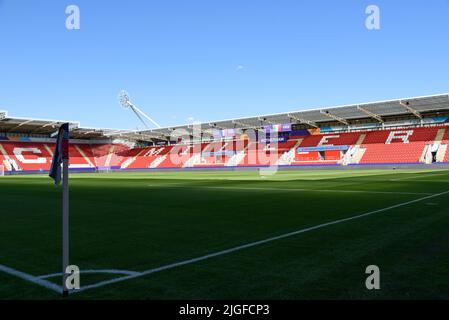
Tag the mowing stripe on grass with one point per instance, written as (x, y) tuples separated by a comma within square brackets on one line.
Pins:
[(434, 180), (289, 189), (419, 176), (322, 190), (30, 278), (256, 243)]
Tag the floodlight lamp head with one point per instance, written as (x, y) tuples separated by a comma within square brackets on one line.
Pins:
[(124, 100)]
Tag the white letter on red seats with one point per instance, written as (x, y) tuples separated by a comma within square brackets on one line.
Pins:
[(401, 135), (18, 153), (325, 140)]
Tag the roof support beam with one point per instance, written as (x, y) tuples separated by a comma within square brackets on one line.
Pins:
[(49, 124), (116, 133), (19, 125), (371, 114), (244, 125), (209, 132), (239, 123), (52, 124), (304, 121), (141, 136), (267, 121), (132, 134), (214, 126), (406, 105), (195, 133), (161, 136), (333, 116), (148, 136)]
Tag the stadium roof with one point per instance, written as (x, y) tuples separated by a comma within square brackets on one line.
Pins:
[(377, 111), (47, 127)]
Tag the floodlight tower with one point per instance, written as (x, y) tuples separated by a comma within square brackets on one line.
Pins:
[(126, 103)]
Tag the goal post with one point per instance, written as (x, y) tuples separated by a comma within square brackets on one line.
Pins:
[(2, 170)]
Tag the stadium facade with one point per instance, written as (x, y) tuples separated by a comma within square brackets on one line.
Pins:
[(411, 131)]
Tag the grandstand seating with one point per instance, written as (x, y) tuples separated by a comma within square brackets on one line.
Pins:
[(213, 155), (337, 139), (445, 141), (266, 154), (142, 157), (25, 156), (107, 155), (397, 146), (378, 147)]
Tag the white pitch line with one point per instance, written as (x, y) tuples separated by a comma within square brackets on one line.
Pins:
[(419, 176), (322, 190), (294, 190), (254, 244), (434, 180), (31, 278), (90, 271)]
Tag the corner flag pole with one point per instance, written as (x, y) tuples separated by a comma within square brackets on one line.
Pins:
[(65, 224), (61, 156)]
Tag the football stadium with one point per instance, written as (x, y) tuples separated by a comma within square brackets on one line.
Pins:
[(290, 205), (271, 158)]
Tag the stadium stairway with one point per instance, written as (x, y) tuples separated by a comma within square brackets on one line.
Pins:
[(215, 154), (355, 152), (445, 143), (239, 156), (289, 156)]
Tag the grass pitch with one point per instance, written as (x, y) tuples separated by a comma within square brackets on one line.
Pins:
[(138, 222)]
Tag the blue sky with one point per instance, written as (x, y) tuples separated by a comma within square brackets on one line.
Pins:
[(180, 59)]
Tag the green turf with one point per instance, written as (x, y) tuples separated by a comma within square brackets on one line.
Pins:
[(140, 221)]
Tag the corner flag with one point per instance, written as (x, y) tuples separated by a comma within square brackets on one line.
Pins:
[(61, 153), (61, 156)]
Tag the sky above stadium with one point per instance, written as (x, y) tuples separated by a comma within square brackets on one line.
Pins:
[(204, 60)]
